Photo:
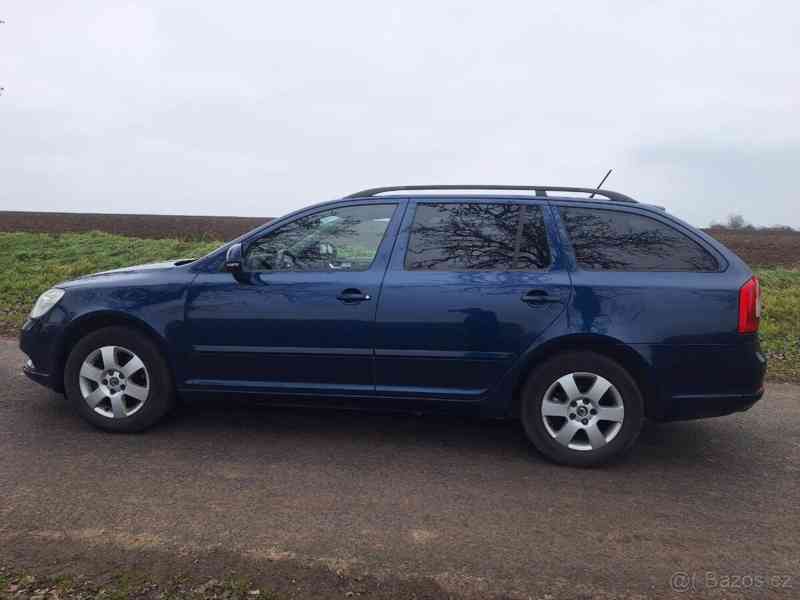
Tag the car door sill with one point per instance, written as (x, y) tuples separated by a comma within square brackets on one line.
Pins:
[(256, 388)]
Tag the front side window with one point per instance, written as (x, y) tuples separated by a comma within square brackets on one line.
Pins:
[(609, 240), (340, 239), (477, 237)]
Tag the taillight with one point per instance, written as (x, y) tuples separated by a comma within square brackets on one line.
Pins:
[(749, 306)]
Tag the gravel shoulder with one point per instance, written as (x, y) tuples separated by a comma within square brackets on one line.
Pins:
[(312, 502)]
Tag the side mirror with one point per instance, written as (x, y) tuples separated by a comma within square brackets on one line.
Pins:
[(233, 259)]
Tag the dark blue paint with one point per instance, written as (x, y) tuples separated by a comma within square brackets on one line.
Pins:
[(463, 337), (478, 317)]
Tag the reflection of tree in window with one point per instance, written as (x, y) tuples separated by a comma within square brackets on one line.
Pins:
[(453, 237), (534, 249), (612, 240)]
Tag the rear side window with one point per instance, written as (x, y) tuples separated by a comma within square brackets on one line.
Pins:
[(477, 237), (606, 240), (534, 249)]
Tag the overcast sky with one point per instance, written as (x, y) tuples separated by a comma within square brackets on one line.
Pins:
[(236, 108)]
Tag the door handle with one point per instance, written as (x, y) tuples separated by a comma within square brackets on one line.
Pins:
[(352, 295), (540, 297)]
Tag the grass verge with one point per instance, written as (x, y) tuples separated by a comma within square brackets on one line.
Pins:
[(32, 262), (780, 323)]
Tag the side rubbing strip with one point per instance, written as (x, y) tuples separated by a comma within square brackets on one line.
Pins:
[(283, 350)]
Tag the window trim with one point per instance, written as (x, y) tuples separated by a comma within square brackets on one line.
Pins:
[(521, 221), (679, 228), (279, 224)]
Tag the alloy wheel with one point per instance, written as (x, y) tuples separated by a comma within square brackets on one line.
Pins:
[(114, 382), (582, 411)]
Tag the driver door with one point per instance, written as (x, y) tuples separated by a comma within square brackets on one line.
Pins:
[(301, 318)]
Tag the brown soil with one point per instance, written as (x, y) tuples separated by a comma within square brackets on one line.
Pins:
[(143, 226), (763, 248), (146, 573), (757, 248)]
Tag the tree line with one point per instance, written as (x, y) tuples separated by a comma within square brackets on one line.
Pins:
[(736, 222)]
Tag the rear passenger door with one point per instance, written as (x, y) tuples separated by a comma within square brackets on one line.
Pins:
[(471, 284)]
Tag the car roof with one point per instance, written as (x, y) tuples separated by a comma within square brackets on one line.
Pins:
[(605, 202), (539, 192)]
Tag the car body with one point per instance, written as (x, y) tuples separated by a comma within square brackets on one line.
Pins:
[(437, 309)]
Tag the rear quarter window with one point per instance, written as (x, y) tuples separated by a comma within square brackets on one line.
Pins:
[(608, 240)]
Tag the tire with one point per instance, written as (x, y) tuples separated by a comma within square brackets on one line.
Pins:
[(586, 412), (112, 391)]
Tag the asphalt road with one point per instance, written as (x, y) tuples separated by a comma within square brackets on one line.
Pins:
[(401, 505)]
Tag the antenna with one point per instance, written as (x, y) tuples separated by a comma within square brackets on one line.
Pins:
[(602, 181)]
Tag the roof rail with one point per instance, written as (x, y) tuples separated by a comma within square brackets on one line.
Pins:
[(539, 190)]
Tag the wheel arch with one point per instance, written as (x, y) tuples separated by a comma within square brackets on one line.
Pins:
[(96, 320), (628, 357)]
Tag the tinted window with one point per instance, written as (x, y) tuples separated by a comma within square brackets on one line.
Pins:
[(341, 239), (534, 249), (611, 240), (476, 237)]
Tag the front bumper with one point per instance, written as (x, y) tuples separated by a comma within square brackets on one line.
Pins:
[(41, 377), (39, 343)]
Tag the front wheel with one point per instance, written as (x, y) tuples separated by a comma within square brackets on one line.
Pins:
[(118, 381), (581, 409)]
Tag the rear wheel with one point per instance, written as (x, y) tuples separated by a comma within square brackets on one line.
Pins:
[(118, 381), (582, 409)]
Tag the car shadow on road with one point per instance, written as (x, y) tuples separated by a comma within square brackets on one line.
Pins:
[(232, 424), (678, 444)]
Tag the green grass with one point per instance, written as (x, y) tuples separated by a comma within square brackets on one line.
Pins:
[(780, 323), (32, 262)]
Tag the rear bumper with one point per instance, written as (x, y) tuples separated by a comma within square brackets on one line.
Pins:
[(686, 407), (696, 382)]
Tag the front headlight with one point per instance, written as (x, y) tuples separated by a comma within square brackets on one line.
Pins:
[(45, 302)]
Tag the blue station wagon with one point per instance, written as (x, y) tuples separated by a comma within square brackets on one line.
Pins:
[(578, 311)]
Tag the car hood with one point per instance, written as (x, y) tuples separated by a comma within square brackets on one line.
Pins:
[(170, 264), (149, 268)]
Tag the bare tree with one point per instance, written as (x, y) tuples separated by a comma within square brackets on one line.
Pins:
[(735, 222)]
